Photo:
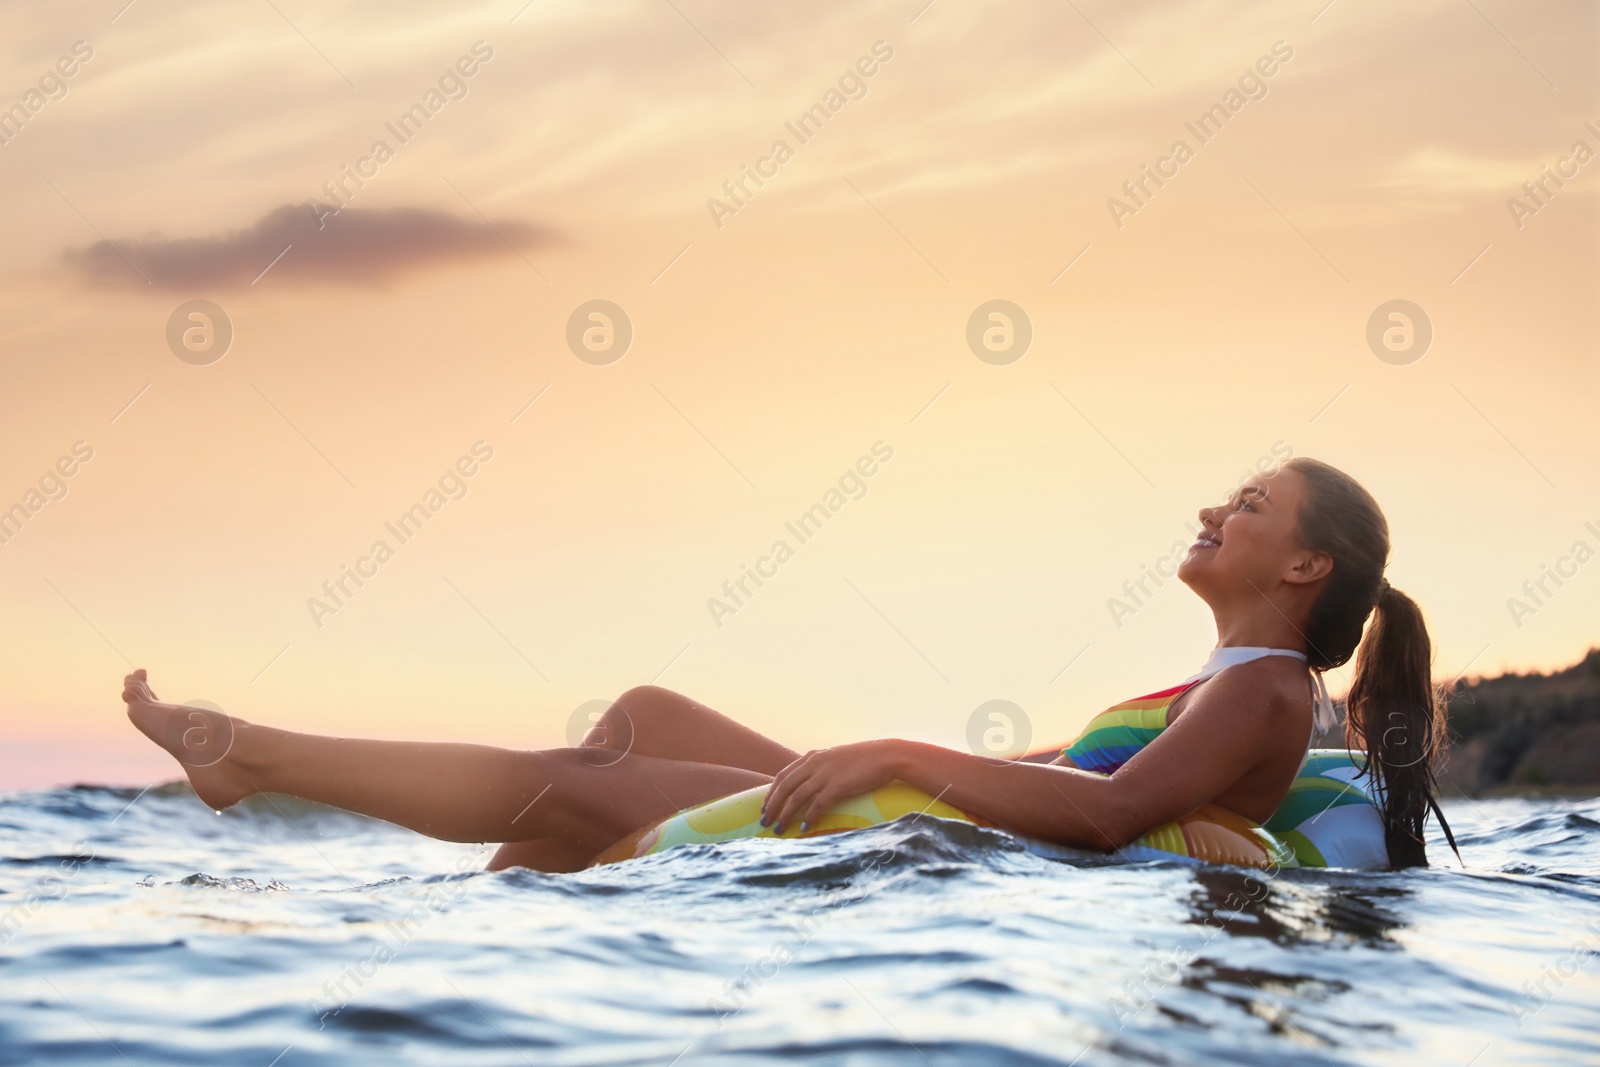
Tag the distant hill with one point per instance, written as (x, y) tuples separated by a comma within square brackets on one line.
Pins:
[(1519, 733), (1526, 731)]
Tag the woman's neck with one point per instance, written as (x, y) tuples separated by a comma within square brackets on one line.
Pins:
[(1259, 631)]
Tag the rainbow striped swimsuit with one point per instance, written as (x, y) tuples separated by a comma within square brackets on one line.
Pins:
[(1113, 737), (1328, 818)]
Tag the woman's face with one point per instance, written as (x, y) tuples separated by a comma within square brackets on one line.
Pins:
[(1251, 539)]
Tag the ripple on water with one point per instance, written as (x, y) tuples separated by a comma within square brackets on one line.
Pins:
[(188, 938)]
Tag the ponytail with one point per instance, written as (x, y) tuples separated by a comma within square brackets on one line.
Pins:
[(1395, 713)]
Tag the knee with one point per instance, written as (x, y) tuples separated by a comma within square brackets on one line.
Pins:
[(643, 703), (642, 698), (633, 710)]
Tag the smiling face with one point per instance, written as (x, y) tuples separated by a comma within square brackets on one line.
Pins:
[(1252, 540)]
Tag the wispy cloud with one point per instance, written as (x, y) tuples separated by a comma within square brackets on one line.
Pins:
[(290, 246)]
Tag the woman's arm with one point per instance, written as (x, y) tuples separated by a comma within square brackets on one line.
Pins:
[(1227, 730)]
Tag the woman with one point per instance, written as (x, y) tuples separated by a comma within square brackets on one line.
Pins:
[(1291, 567)]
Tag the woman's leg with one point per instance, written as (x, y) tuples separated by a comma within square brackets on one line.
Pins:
[(651, 721), (548, 854), (454, 792)]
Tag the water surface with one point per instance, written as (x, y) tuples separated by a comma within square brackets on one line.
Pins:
[(152, 931)]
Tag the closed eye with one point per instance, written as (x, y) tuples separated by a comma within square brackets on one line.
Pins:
[(1247, 497)]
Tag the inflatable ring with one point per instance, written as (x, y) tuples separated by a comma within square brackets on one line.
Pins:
[(738, 816), (1327, 819)]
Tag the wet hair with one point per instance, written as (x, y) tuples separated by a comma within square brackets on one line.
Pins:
[(1393, 710)]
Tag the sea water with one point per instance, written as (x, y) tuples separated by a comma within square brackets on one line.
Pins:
[(145, 929)]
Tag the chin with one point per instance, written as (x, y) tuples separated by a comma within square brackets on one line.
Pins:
[(1190, 569), (1201, 574)]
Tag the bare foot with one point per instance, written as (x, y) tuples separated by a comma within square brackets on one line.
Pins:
[(200, 739)]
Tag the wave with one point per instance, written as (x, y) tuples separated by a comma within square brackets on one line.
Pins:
[(168, 800), (1531, 839), (911, 942)]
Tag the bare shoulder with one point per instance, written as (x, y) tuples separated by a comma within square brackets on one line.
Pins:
[(1265, 688)]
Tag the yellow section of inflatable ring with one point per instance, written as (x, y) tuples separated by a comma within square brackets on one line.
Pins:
[(1211, 834)]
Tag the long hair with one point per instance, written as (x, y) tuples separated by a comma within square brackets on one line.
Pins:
[(1393, 710)]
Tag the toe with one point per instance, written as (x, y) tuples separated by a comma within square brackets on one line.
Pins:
[(137, 687)]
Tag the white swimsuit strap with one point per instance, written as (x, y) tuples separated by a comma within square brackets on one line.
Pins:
[(1324, 716), (1233, 655)]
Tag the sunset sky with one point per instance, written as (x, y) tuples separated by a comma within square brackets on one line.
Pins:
[(1180, 336)]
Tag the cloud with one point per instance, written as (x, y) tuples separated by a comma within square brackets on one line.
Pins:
[(1440, 170), (354, 247)]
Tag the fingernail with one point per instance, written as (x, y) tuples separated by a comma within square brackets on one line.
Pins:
[(804, 827)]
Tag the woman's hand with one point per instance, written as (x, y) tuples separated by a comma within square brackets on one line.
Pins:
[(815, 782)]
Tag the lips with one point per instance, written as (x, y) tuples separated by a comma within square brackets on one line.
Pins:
[(1207, 539)]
